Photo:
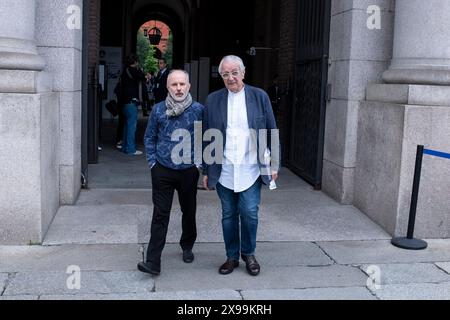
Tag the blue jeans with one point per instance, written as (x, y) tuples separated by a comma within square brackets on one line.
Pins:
[(130, 112), (240, 207)]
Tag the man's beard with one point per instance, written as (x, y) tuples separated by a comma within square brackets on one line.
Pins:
[(178, 98)]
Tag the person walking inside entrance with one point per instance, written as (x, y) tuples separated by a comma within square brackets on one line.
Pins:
[(131, 81)]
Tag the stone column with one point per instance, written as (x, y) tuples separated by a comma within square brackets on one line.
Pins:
[(17, 46), (412, 108), (421, 43), (359, 55), (29, 112)]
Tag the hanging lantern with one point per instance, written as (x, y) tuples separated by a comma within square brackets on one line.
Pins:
[(154, 35)]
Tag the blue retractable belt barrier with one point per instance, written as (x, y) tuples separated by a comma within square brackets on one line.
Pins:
[(409, 242), (436, 153)]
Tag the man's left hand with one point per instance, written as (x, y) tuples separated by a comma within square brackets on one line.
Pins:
[(274, 175)]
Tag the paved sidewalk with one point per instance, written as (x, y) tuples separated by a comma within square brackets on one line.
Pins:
[(289, 271), (309, 247)]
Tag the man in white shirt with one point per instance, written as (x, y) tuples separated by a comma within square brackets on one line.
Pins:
[(240, 112)]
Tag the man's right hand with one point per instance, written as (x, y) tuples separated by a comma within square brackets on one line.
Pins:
[(205, 183)]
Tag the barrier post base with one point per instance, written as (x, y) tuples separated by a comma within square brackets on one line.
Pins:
[(411, 244)]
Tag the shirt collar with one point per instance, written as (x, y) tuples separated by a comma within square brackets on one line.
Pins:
[(234, 94)]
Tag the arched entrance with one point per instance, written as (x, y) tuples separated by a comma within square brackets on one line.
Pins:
[(204, 31), (154, 40)]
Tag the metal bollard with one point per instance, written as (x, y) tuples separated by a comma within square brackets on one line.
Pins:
[(409, 242)]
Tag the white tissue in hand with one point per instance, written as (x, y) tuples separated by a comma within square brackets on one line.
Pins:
[(272, 185)]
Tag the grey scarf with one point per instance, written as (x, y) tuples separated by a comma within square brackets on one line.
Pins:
[(175, 108)]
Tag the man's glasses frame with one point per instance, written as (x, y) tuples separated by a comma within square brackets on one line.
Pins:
[(233, 73)]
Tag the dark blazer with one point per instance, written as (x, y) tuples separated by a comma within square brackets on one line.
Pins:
[(259, 116), (129, 86), (160, 89)]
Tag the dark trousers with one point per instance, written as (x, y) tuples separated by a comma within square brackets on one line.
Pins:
[(164, 183)]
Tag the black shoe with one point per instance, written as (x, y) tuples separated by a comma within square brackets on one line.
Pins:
[(147, 267), (188, 256), (228, 266), (251, 265)]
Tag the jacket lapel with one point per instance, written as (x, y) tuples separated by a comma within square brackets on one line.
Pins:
[(250, 104), (223, 104)]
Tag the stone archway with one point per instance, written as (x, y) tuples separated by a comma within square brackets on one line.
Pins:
[(173, 14)]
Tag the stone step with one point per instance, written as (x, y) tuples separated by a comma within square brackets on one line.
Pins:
[(292, 212), (114, 224), (305, 197)]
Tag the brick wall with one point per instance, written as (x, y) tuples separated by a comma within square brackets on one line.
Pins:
[(93, 34), (286, 65), (288, 24), (165, 32)]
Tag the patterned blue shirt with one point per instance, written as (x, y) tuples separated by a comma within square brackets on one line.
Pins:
[(162, 129)]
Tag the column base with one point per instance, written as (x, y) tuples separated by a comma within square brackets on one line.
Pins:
[(388, 135), (417, 76), (21, 61), (20, 54), (29, 166), (411, 94), (337, 182), (25, 81)]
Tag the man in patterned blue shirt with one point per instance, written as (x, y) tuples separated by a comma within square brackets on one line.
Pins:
[(169, 145)]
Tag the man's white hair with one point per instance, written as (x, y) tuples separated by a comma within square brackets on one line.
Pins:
[(232, 58)]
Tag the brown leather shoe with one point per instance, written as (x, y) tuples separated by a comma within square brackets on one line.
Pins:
[(228, 266), (251, 265)]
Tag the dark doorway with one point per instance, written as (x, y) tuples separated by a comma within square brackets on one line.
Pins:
[(308, 108), (84, 108), (203, 32)]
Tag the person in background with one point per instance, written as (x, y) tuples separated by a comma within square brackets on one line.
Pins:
[(132, 80), (160, 85), (121, 123)]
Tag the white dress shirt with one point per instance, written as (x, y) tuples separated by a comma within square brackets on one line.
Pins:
[(240, 169)]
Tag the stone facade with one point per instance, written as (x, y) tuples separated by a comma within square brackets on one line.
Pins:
[(60, 44), (390, 92), (29, 127), (412, 108), (358, 56), (94, 34)]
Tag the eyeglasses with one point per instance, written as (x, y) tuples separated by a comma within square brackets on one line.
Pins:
[(234, 73)]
